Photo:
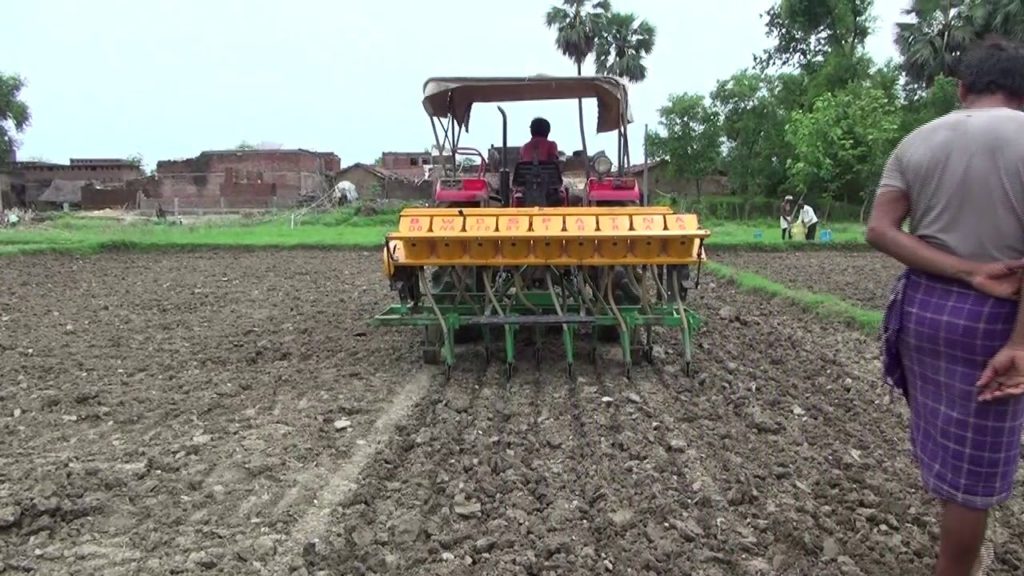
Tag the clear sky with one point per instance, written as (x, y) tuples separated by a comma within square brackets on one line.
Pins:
[(170, 78)]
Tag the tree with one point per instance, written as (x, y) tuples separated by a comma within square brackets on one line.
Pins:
[(578, 24), (1006, 17), (841, 144), (753, 109), (806, 31), (14, 114), (137, 161), (692, 143), (942, 98), (834, 72), (244, 145), (931, 43), (623, 45)]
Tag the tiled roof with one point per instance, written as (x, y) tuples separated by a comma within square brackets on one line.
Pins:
[(414, 174)]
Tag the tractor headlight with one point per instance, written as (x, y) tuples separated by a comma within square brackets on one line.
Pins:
[(603, 165)]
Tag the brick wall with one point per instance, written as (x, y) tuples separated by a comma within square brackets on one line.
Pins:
[(258, 174), (404, 160), (94, 198), (248, 190), (332, 163), (96, 173)]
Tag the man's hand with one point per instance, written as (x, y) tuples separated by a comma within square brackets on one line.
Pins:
[(998, 279), (1004, 375)]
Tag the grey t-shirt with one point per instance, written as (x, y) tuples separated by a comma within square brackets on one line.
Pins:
[(964, 174)]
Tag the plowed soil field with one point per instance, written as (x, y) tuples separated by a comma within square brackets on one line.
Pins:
[(863, 278), (234, 413)]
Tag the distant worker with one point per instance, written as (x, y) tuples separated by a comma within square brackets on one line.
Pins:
[(809, 219), (539, 148), (786, 217)]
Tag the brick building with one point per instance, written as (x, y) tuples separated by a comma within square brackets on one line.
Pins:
[(411, 165), (241, 178), (34, 182)]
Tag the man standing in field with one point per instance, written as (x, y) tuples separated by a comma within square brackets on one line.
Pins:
[(953, 337), (809, 219)]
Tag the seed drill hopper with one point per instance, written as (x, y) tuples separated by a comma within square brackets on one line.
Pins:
[(527, 256)]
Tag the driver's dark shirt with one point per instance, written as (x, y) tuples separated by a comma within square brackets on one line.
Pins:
[(546, 150)]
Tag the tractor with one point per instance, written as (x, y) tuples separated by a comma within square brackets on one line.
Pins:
[(490, 259)]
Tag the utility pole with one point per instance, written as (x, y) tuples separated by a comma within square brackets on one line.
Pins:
[(647, 194)]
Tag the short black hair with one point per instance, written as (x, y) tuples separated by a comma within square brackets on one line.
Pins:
[(993, 66), (540, 128)]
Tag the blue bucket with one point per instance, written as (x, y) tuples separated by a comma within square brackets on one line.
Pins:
[(758, 234), (826, 235)]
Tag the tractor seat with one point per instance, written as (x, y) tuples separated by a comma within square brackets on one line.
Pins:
[(538, 183)]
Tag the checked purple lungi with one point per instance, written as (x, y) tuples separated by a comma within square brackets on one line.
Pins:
[(938, 335)]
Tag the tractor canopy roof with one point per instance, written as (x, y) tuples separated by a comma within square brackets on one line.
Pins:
[(444, 97)]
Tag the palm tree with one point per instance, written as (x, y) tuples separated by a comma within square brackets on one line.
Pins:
[(941, 30), (1006, 18), (578, 24), (621, 49)]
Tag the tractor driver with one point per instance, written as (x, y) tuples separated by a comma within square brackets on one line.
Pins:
[(539, 148)]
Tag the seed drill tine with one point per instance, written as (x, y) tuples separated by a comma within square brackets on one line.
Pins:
[(537, 346), (684, 326), (566, 330), (623, 332), (487, 345), (567, 338), (510, 350), (626, 352), (492, 302), (687, 351), (449, 348), (649, 344)]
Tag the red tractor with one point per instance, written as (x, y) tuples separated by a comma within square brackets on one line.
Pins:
[(448, 102), (526, 184)]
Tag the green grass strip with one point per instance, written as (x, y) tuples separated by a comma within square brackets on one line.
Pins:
[(343, 228), (827, 306)]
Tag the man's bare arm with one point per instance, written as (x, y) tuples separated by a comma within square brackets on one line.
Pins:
[(885, 234)]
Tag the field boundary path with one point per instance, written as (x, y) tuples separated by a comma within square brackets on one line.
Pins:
[(343, 480)]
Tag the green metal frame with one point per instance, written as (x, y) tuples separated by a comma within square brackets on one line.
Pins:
[(539, 309)]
